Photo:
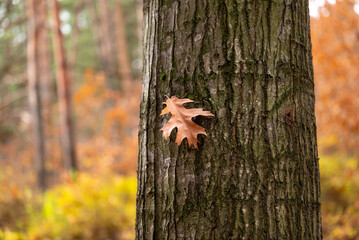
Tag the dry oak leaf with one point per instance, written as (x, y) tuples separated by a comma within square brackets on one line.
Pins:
[(182, 120)]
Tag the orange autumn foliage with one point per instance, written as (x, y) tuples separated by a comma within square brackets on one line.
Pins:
[(335, 39), (107, 125)]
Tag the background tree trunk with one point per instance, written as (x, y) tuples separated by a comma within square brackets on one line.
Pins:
[(108, 39), (256, 174), (95, 23), (139, 15), (75, 38), (44, 58), (64, 94), (34, 91), (124, 63)]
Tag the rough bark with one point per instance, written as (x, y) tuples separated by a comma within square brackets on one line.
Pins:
[(34, 92), (256, 174), (64, 94)]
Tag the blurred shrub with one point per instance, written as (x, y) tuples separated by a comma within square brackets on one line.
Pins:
[(9, 235), (87, 209), (340, 197), (13, 214), (6, 132), (93, 208)]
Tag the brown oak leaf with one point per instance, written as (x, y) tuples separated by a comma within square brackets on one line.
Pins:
[(182, 120)]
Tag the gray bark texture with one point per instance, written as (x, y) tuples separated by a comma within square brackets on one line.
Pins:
[(256, 174)]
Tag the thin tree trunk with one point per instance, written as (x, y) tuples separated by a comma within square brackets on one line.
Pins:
[(44, 67), (139, 14), (95, 22), (64, 94), (122, 48), (75, 39), (108, 41), (44, 59), (256, 174), (33, 45)]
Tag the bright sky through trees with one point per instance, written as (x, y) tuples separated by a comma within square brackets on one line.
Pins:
[(315, 5)]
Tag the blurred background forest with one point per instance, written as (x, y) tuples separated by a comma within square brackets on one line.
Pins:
[(70, 87)]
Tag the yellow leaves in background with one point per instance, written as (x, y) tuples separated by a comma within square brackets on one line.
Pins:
[(9, 235), (105, 203), (88, 208), (340, 196)]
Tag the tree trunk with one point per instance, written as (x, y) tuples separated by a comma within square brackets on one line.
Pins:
[(96, 30), (123, 59), (139, 15), (45, 64), (34, 92), (108, 40), (75, 38), (64, 94), (256, 174)]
